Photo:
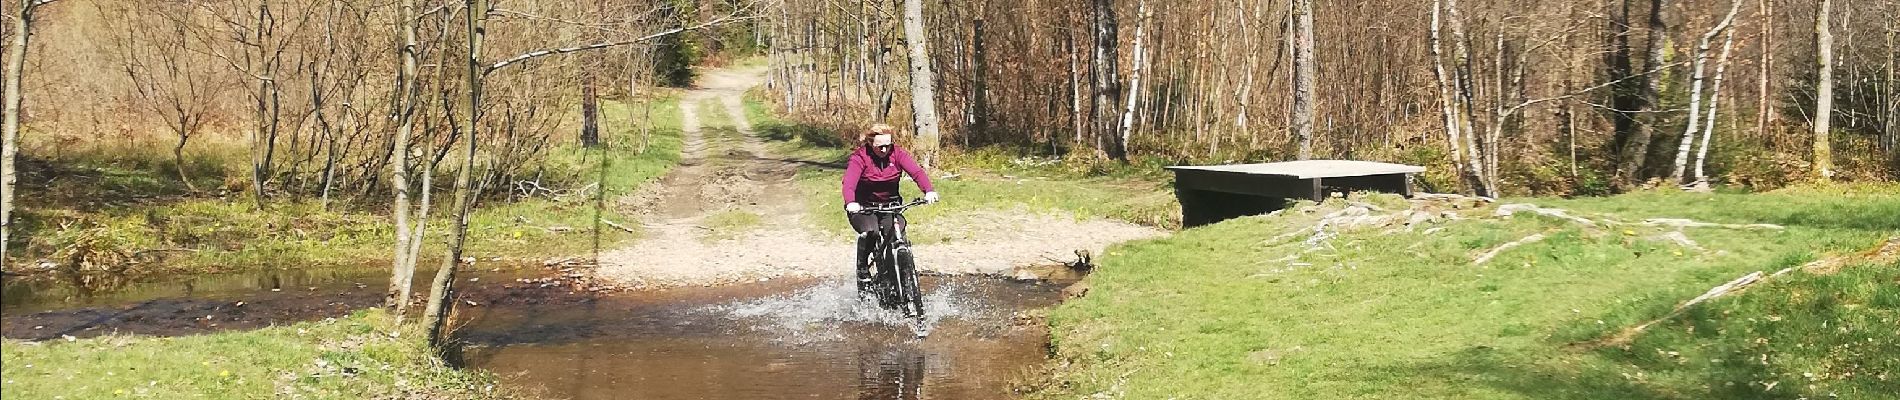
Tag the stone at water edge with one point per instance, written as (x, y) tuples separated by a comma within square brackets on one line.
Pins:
[(1076, 291)]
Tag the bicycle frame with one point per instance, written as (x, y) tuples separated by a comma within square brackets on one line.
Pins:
[(894, 270)]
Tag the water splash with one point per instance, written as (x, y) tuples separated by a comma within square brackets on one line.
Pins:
[(832, 309)]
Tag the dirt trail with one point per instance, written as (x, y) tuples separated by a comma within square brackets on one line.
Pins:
[(727, 171)]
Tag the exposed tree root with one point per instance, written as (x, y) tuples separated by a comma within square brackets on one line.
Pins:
[(1684, 223), (1507, 246), (1681, 239), (1508, 210)]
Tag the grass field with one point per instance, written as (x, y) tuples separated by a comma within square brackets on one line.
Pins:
[(1225, 312), (354, 357)]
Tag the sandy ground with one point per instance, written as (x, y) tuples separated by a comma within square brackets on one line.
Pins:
[(734, 173)]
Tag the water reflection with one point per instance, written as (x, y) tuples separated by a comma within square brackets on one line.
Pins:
[(24, 295), (897, 373)]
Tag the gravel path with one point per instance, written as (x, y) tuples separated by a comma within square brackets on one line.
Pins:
[(724, 173)]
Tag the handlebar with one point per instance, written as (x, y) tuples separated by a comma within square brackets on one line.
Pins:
[(892, 209)]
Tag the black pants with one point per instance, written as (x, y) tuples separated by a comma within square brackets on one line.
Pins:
[(867, 226)]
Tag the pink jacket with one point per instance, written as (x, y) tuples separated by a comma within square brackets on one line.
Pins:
[(870, 178)]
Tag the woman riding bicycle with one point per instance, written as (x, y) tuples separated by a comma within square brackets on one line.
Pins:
[(871, 176)]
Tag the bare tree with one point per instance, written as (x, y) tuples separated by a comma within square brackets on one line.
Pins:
[(1107, 85), (1823, 92), (1700, 56), (1134, 77), (166, 75), (442, 289), (260, 40), (1764, 113), (1890, 134), (22, 17), (1455, 91), (1303, 76), (408, 238), (1701, 181), (923, 84), (1635, 153), (1448, 104)]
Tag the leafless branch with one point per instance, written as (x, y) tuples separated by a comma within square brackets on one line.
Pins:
[(564, 50), (605, 27), (1580, 92)]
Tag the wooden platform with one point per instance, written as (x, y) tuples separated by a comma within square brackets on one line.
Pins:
[(1217, 192)]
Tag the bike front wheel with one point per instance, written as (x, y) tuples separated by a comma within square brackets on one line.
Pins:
[(910, 295)]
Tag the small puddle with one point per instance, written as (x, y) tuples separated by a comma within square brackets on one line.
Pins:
[(785, 338)]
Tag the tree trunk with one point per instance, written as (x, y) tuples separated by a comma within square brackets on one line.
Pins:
[(1107, 82), (787, 59), (1763, 113), (403, 271), (326, 133), (1448, 101), (1245, 93), (980, 69), (10, 131), (1891, 132), (1824, 93), (1303, 77), (1134, 78), (1626, 95), (1075, 95), (1462, 95), (1715, 98), (178, 159), (269, 103), (633, 89), (923, 83), (442, 290), (1679, 170), (1635, 154), (590, 110)]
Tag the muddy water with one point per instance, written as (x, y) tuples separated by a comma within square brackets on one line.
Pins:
[(796, 339), (777, 339)]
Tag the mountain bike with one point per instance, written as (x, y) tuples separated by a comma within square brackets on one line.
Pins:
[(894, 272)]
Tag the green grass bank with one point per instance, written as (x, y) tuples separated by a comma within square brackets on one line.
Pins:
[(1271, 307), (355, 357)]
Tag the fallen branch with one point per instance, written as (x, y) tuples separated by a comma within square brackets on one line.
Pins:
[(1752, 278), (170, 250), (1685, 223), (617, 226), (1886, 251), (1507, 246)]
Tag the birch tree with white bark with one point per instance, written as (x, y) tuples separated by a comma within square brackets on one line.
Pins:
[(1701, 56)]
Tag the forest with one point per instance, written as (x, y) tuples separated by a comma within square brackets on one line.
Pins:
[(582, 164), (1498, 97)]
